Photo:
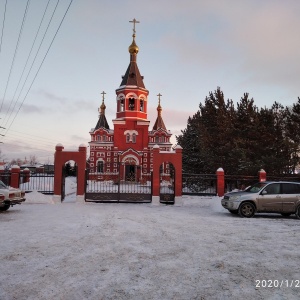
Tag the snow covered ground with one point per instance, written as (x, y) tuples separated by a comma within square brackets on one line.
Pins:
[(139, 251)]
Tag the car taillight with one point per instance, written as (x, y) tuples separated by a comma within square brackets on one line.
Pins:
[(2, 197), (22, 194), (11, 195)]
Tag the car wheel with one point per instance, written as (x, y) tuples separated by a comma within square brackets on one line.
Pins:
[(5, 207), (235, 212), (247, 210), (298, 212), (285, 214)]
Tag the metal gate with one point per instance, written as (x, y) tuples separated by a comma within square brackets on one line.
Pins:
[(167, 186), (63, 184), (40, 182), (128, 187)]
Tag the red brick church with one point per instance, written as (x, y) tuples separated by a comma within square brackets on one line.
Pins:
[(127, 148)]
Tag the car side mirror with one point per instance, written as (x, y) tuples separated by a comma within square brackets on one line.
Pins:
[(264, 192)]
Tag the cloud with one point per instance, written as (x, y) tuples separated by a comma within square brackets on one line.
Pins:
[(268, 44), (67, 105)]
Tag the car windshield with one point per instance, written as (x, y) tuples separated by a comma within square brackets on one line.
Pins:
[(2, 185), (256, 187)]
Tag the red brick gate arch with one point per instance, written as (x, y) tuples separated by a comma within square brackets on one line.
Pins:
[(60, 158), (174, 157)]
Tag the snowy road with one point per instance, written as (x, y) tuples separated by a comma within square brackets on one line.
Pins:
[(139, 251)]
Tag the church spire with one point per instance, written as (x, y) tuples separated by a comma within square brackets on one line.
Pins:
[(132, 76), (102, 122), (159, 123)]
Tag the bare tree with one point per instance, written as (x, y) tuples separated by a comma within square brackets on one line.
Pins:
[(32, 160)]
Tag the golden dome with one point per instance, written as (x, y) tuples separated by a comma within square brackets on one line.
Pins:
[(133, 48)]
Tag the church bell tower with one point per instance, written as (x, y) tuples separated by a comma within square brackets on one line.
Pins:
[(131, 123)]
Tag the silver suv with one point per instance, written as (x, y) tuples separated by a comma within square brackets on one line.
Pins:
[(269, 197)]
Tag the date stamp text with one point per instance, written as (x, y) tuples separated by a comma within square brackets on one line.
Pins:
[(275, 283)]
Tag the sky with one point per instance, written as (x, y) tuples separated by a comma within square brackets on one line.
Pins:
[(186, 50)]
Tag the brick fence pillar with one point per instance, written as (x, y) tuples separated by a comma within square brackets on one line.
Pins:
[(58, 163), (220, 182), (262, 175), (15, 176), (26, 175), (81, 164), (155, 177)]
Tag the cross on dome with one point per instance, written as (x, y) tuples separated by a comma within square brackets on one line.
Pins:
[(159, 95), (134, 21), (103, 93)]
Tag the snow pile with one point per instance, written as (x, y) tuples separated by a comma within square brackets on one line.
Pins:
[(141, 251), (38, 198)]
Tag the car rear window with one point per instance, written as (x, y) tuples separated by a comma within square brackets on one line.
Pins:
[(290, 188)]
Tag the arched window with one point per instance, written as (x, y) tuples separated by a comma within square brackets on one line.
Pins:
[(141, 105), (100, 166), (134, 138), (122, 105), (127, 138), (156, 139), (98, 137), (131, 103)]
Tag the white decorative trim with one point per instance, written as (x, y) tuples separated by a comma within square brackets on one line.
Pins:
[(131, 156), (122, 122), (145, 123), (132, 87), (121, 96), (131, 95), (131, 132)]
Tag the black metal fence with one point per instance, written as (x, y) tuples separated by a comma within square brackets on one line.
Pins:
[(199, 184), (5, 177), (41, 182), (284, 177), (239, 182)]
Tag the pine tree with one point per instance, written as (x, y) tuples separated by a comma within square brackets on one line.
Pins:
[(293, 134)]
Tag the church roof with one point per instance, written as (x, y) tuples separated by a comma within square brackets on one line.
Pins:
[(159, 123), (133, 76), (102, 122)]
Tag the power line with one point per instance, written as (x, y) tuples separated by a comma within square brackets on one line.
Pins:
[(4, 14), (29, 139), (40, 66), (16, 50), (26, 66)]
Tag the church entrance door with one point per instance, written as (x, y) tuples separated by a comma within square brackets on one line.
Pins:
[(130, 173)]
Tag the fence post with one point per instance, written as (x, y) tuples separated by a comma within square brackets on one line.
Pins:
[(26, 175), (15, 176), (220, 182), (155, 176), (1, 173), (262, 175)]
